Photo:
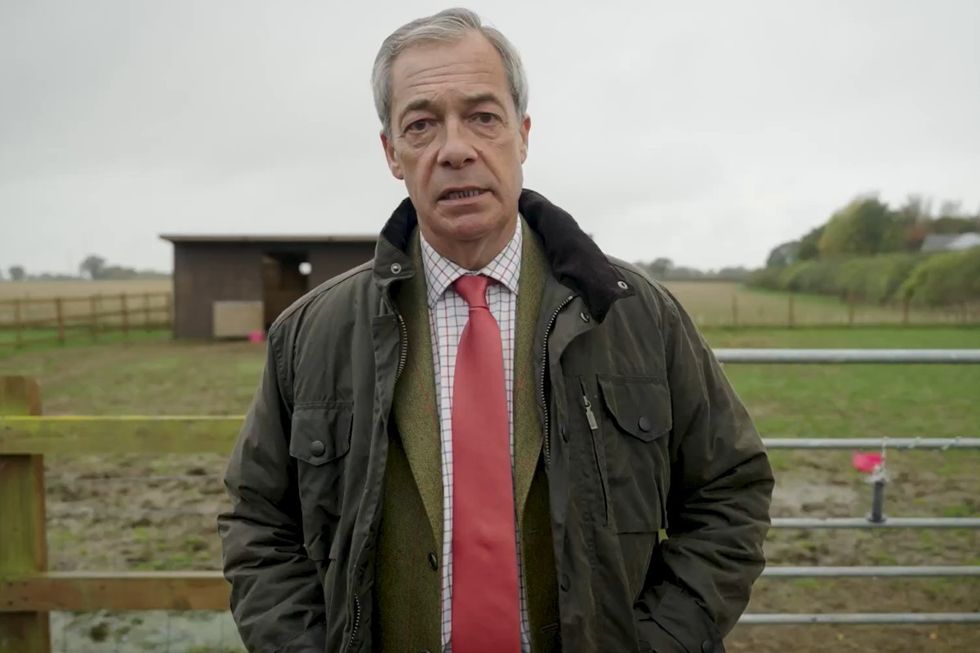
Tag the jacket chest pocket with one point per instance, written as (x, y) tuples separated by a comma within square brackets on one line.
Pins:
[(319, 442), (636, 424)]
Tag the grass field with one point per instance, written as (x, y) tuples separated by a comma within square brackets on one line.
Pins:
[(133, 512), (725, 303), (80, 288)]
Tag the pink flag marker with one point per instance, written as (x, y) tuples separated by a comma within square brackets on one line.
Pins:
[(865, 462)]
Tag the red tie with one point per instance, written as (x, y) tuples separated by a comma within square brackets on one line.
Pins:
[(486, 616)]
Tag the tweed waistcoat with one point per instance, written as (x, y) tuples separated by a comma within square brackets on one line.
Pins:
[(407, 590)]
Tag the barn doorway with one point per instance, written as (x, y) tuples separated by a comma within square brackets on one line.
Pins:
[(285, 278)]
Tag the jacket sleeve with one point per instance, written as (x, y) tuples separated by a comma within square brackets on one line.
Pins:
[(276, 596), (717, 506)]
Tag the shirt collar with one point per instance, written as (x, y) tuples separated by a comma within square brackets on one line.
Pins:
[(440, 272)]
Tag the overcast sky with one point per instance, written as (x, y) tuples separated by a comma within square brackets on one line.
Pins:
[(706, 132)]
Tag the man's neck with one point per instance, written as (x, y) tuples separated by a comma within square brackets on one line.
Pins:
[(472, 255)]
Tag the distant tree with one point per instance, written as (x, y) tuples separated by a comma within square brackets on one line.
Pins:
[(950, 224), (783, 255), (660, 267), (865, 226), (117, 272), (810, 244), (951, 209), (17, 272), (92, 266)]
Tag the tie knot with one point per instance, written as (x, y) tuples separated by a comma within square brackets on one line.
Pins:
[(473, 289)]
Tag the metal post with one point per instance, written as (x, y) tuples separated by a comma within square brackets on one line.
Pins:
[(877, 515)]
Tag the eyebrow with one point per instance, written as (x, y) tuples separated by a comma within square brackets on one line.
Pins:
[(423, 104)]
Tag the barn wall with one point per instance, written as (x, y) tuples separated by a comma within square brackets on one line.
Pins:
[(330, 259), (208, 272)]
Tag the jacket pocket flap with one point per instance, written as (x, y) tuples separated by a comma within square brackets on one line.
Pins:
[(640, 406), (320, 434)]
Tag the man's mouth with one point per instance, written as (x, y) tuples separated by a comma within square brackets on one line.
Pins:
[(461, 194)]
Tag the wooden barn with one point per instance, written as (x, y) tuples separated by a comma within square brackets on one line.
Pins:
[(232, 286)]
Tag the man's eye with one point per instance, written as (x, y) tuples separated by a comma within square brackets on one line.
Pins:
[(485, 118), (418, 126)]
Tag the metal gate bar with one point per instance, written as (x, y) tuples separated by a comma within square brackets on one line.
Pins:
[(838, 356), (890, 522), (943, 444), (860, 571), (861, 619)]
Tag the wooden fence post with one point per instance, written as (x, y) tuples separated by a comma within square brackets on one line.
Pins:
[(168, 308), (734, 309), (850, 310), (18, 338), (146, 311), (94, 324), (791, 317), (59, 314), (23, 547), (125, 314)]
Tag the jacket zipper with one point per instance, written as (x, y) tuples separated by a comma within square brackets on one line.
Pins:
[(402, 359), (403, 345), (544, 371), (594, 427), (589, 415), (357, 621)]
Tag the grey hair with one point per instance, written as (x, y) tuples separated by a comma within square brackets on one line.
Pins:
[(448, 25)]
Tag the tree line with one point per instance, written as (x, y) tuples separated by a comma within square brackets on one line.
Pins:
[(870, 251), (93, 268)]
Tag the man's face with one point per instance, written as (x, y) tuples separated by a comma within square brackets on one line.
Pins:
[(456, 140)]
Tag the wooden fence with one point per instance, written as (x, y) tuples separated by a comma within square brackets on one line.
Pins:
[(28, 591), (26, 321)]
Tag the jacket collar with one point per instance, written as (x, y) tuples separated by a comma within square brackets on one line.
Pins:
[(575, 260)]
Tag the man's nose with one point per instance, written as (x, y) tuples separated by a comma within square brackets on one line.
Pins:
[(457, 149)]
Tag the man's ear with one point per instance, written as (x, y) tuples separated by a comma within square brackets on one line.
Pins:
[(525, 130), (393, 165)]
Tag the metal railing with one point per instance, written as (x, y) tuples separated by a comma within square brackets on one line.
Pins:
[(24, 440), (875, 519)]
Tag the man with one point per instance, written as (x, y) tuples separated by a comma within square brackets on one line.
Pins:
[(491, 437)]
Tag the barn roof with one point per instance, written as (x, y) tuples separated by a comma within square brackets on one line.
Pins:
[(269, 238)]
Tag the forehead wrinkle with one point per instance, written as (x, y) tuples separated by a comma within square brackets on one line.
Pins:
[(434, 91)]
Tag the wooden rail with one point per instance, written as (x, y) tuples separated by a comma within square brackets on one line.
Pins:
[(28, 591), (61, 315)]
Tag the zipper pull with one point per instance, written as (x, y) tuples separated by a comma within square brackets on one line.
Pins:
[(589, 415)]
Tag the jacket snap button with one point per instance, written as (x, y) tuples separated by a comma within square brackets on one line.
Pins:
[(643, 423), (433, 562), (623, 285), (585, 316), (396, 268), (317, 448), (564, 583)]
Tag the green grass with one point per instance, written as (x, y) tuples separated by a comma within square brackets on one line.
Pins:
[(857, 400), (42, 339), (725, 303)]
